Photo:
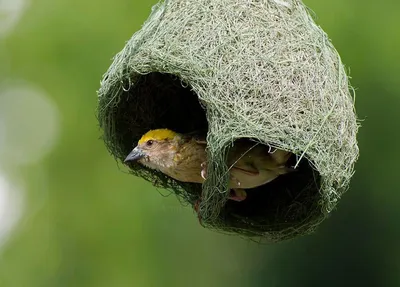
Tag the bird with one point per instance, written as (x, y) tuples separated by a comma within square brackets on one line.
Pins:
[(183, 157)]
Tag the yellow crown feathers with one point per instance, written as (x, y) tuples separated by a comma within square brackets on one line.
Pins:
[(158, 135)]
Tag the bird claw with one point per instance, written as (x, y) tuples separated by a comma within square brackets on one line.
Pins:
[(203, 172)]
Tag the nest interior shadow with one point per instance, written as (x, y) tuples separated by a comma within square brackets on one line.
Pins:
[(159, 100)]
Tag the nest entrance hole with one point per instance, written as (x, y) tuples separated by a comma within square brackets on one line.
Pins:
[(156, 101), (290, 200)]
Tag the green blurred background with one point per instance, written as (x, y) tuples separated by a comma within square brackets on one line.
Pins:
[(70, 217)]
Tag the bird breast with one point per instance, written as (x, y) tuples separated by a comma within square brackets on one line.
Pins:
[(186, 164)]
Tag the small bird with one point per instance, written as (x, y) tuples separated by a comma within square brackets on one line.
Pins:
[(183, 157)]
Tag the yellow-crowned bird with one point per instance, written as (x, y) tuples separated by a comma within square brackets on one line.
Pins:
[(183, 157)]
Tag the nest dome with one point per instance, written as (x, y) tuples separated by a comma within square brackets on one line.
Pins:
[(261, 70)]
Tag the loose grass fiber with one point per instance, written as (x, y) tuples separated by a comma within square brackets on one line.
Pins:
[(256, 69)]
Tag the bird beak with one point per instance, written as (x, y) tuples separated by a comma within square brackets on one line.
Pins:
[(135, 155)]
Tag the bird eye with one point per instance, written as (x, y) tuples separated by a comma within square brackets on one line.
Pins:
[(149, 142)]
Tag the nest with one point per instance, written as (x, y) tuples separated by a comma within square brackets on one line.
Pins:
[(260, 70)]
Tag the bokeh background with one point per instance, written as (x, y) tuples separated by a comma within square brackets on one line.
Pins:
[(69, 216)]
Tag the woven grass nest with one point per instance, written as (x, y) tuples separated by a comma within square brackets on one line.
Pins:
[(258, 69)]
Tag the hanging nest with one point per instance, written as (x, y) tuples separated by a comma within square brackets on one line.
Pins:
[(259, 70)]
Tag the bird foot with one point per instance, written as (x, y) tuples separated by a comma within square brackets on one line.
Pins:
[(203, 172), (238, 195)]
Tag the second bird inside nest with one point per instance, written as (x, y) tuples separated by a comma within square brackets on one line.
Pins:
[(183, 157)]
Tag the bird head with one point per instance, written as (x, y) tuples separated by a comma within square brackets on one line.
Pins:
[(155, 149)]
